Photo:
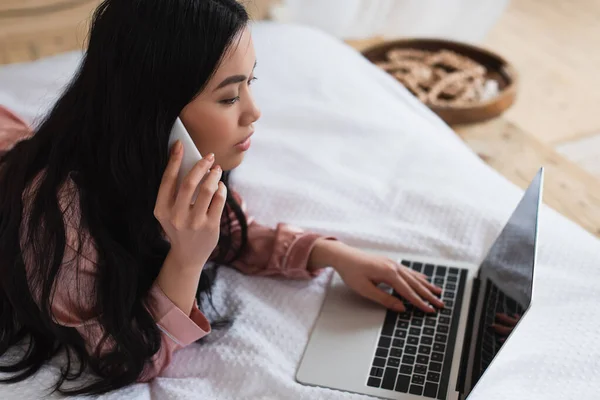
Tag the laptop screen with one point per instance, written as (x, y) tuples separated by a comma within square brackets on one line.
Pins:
[(505, 283)]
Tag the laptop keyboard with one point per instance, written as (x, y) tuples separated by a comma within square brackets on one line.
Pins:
[(414, 352)]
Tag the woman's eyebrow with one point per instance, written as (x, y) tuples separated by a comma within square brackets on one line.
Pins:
[(233, 79)]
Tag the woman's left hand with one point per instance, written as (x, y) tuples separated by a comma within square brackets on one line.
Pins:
[(362, 272)]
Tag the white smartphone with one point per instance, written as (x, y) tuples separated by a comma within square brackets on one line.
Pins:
[(191, 155)]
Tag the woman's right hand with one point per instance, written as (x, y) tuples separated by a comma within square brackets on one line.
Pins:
[(192, 229)]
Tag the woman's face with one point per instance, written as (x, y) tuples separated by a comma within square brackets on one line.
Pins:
[(221, 117)]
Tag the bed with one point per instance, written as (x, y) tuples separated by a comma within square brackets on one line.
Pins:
[(386, 175)]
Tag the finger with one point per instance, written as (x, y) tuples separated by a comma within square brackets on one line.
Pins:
[(206, 190), (506, 320), (429, 285), (190, 184), (372, 292), (407, 292), (425, 293), (502, 330), (168, 183), (215, 210), (419, 275)]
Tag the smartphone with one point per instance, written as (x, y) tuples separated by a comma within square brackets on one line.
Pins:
[(191, 155)]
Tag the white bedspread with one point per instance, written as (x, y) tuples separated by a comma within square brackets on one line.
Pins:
[(341, 149)]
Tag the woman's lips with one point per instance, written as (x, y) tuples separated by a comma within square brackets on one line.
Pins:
[(244, 144)]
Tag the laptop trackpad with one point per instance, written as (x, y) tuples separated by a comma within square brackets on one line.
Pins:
[(342, 345)]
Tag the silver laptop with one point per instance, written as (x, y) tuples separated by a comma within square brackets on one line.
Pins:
[(358, 346)]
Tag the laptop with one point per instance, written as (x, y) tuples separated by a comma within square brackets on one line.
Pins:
[(359, 346)]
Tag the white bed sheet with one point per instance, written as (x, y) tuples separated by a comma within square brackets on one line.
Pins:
[(343, 150)]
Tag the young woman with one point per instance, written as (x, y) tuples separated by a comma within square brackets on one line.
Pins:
[(101, 254)]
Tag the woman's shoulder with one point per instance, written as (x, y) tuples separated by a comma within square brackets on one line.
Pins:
[(67, 196)]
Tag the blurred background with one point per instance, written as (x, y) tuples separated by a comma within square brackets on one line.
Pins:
[(552, 44)]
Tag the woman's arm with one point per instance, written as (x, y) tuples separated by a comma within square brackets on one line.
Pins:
[(284, 250), (175, 311)]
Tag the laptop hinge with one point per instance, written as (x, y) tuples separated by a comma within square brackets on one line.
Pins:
[(464, 359)]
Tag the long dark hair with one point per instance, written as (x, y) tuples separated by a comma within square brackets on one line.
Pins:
[(109, 130)]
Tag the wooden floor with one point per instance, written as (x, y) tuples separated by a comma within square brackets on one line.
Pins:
[(555, 46)]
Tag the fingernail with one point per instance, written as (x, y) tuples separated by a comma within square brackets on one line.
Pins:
[(217, 168), (177, 147), (210, 157)]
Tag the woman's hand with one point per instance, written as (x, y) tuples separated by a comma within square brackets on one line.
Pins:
[(193, 230), (363, 272), (505, 325)]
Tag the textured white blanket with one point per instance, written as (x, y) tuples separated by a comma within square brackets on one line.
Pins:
[(343, 150)]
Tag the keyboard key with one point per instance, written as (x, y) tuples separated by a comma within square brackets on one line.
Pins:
[(412, 340), (384, 341), (424, 349), (404, 315), (415, 331), (381, 352), (430, 322), (393, 362), (434, 366), (451, 278), (450, 286), (440, 271), (453, 271), (398, 343), (430, 390), (437, 356), (389, 323), (410, 350), (374, 382), (442, 329), (428, 270), (405, 369), (389, 378), (379, 362), (400, 333), (406, 263), (428, 331), (439, 347), (444, 320), (418, 379), (426, 340), (441, 338), (438, 281), (394, 352), (402, 383), (378, 372), (420, 369), (419, 314), (422, 359), (448, 295), (446, 311), (417, 266), (402, 325), (416, 389), (417, 322), (433, 376), (408, 359), (449, 303)]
